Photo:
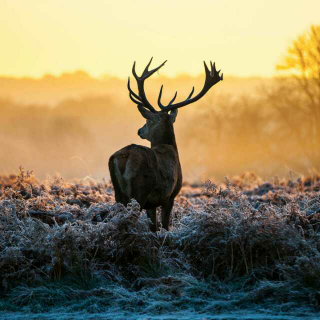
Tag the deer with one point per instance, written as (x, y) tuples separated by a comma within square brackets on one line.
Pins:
[(153, 176)]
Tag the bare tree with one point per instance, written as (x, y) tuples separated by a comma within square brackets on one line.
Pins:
[(302, 60), (297, 95)]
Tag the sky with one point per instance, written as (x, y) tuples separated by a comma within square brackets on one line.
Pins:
[(244, 37)]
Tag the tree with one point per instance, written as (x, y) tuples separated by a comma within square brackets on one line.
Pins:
[(297, 97), (303, 62)]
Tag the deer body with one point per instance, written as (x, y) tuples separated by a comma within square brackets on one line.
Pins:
[(153, 176), (161, 179)]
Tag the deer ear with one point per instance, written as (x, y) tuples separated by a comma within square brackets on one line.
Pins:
[(173, 115), (148, 114)]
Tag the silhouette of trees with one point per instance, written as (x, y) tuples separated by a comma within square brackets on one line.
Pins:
[(297, 96), (302, 60)]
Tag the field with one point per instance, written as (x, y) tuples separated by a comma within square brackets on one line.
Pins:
[(246, 244)]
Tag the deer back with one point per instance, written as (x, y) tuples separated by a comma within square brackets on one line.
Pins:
[(150, 175)]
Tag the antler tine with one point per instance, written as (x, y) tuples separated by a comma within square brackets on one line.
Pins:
[(191, 93), (134, 71), (213, 69), (164, 108), (174, 98), (132, 93), (206, 68), (145, 71), (141, 98), (212, 78)]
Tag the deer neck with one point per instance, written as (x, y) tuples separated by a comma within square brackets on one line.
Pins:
[(166, 136)]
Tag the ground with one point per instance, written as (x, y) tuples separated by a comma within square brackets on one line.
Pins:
[(248, 248)]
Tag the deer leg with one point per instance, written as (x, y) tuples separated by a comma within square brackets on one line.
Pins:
[(152, 215), (165, 213)]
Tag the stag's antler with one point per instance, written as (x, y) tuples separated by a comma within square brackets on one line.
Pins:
[(212, 78), (141, 99)]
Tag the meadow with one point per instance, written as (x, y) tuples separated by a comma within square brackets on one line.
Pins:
[(245, 244)]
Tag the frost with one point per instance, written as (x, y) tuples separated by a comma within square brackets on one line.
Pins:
[(220, 236)]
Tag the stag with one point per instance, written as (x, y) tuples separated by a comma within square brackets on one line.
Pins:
[(153, 176)]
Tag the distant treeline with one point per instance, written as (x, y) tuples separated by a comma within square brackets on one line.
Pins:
[(221, 135)]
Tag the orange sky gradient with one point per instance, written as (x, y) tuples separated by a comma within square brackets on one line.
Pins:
[(245, 38)]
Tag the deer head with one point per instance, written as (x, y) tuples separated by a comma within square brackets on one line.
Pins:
[(157, 122)]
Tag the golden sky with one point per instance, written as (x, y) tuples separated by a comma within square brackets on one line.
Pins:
[(244, 37)]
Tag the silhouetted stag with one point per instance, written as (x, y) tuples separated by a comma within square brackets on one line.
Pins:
[(152, 176)]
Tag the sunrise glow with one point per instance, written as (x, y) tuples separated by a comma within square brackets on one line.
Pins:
[(246, 38)]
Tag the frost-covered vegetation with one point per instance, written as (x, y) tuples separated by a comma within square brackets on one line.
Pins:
[(245, 244)]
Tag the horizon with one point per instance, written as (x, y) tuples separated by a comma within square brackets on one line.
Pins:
[(107, 76)]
